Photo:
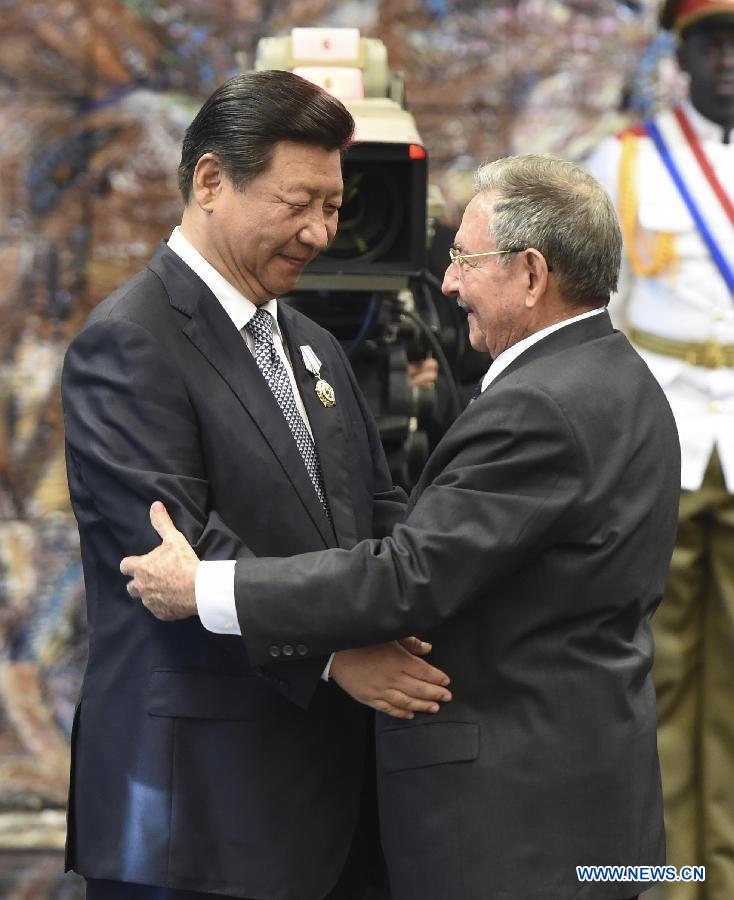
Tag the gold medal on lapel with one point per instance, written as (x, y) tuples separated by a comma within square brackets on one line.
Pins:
[(324, 391)]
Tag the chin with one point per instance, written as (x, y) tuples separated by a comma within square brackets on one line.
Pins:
[(477, 339), (282, 284), (286, 286)]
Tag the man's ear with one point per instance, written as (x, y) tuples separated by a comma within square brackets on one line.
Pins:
[(207, 182), (536, 269)]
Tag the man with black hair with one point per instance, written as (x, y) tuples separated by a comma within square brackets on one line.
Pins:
[(673, 182), (195, 773)]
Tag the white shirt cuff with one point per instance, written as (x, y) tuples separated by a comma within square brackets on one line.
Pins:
[(327, 668), (214, 589)]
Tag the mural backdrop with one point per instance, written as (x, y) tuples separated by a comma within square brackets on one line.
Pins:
[(94, 98)]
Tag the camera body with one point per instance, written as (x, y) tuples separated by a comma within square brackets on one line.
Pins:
[(382, 224), (369, 286)]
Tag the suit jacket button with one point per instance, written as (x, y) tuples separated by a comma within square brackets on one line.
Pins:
[(274, 651), (287, 650), (301, 649)]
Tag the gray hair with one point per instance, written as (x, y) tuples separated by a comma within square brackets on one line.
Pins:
[(558, 208)]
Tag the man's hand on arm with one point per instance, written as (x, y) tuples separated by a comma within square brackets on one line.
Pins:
[(164, 579), (392, 678)]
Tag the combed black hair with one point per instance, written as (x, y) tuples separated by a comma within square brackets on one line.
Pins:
[(248, 115)]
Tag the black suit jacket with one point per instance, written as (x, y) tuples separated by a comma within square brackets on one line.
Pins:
[(192, 768), (533, 557)]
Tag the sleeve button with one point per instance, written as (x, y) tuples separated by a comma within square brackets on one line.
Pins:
[(301, 649), (287, 650), (274, 651)]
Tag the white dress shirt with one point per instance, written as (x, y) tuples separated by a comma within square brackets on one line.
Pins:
[(688, 300), (237, 306), (511, 354)]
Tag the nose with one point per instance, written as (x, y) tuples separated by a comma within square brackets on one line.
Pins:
[(450, 284), (315, 232)]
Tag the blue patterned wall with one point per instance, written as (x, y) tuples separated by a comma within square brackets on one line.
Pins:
[(94, 98)]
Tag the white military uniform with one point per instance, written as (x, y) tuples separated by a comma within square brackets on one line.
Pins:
[(688, 301), (686, 312)]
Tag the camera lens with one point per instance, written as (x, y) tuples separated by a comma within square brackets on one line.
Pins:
[(371, 215)]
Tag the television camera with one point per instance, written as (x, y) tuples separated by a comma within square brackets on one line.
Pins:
[(372, 287)]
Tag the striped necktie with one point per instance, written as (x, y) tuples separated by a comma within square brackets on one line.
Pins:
[(274, 371)]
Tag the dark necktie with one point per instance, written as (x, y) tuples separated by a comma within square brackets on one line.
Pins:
[(274, 371)]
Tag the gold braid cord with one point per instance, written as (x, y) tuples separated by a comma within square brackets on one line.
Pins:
[(663, 250)]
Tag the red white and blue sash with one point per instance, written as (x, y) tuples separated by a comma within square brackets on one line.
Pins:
[(706, 199)]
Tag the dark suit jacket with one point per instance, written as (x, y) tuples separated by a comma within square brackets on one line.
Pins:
[(192, 768), (533, 557)]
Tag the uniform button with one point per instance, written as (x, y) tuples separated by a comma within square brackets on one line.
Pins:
[(230, 626), (274, 651), (714, 407), (301, 649), (287, 650)]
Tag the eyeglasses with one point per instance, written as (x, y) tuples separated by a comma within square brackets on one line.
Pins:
[(460, 258)]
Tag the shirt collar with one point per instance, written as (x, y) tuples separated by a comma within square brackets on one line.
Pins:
[(704, 128), (236, 305), (512, 353)]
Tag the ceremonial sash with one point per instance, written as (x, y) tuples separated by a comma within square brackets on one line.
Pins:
[(700, 189)]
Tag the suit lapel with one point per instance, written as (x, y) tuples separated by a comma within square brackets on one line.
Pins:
[(212, 332), (327, 426)]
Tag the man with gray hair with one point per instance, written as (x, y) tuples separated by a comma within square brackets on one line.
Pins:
[(533, 556)]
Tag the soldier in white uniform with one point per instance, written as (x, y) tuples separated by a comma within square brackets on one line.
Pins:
[(673, 182)]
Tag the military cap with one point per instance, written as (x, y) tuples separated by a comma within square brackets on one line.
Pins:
[(677, 15)]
